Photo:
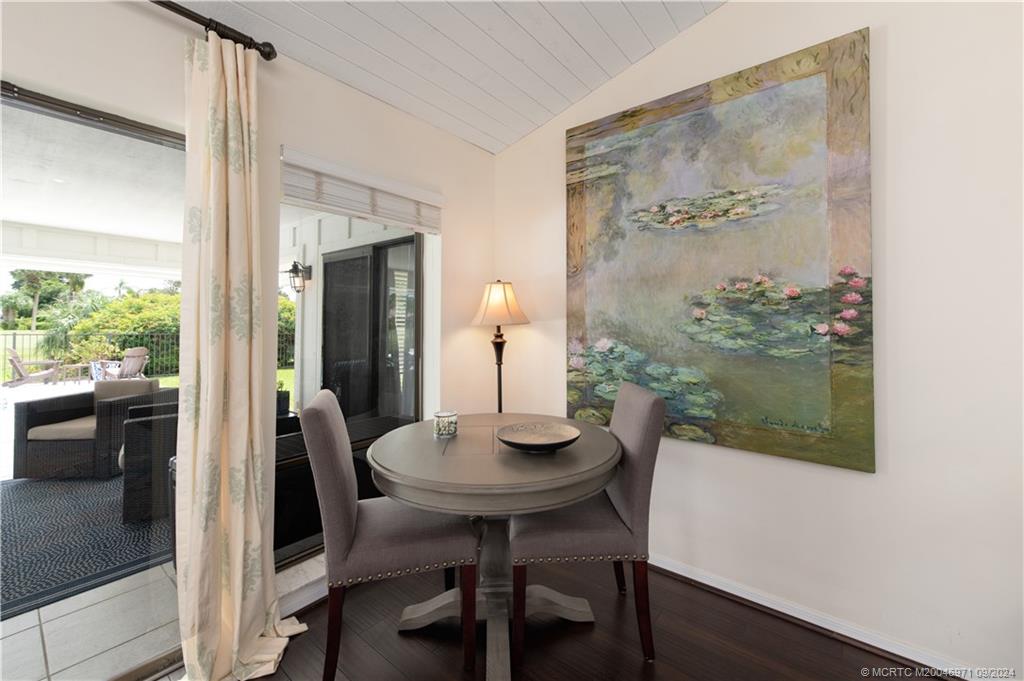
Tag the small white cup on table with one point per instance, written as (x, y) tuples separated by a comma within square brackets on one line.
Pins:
[(446, 424)]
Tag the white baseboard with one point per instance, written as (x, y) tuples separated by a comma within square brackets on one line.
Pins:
[(301, 585), (302, 597), (839, 626)]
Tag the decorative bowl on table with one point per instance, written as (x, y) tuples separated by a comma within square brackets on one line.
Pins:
[(538, 436)]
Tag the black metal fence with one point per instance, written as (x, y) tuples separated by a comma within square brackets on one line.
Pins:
[(81, 349)]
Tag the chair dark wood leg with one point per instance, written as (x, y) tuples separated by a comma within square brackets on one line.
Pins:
[(335, 600), (467, 575), (620, 576), (518, 614), (449, 579), (643, 608)]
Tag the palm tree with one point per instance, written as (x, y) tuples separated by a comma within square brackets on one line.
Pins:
[(75, 283), (47, 287), (123, 289), (31, 282), (64, 315)]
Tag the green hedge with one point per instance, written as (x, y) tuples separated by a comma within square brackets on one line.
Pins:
[(153, 320)]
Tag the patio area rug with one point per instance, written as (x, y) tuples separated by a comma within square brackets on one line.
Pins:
[(63, 537)]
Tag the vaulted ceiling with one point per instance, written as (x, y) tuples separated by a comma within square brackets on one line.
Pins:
[(489, 72)]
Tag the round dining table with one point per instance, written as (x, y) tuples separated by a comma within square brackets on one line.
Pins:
[(475, 475)]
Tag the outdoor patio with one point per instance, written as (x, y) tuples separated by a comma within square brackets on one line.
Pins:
[(64, 536), (83, 591), (76, 520)]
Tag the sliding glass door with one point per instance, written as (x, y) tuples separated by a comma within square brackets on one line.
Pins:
[(371, 330), (89, 289)]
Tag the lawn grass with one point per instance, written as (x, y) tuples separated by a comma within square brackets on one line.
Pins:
[(285, 376)]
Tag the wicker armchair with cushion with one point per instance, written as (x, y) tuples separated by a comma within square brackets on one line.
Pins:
[(78, 435), (114, 399), (150, 440)]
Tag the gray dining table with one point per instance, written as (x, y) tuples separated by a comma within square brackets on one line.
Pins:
[(475, 475)]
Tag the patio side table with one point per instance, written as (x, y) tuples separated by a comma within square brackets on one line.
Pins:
[(81, 372)]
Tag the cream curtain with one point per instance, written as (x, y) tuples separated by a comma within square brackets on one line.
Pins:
[(227, 601)]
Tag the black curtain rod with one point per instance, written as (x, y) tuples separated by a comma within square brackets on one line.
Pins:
[(29, 100), (266, 50)]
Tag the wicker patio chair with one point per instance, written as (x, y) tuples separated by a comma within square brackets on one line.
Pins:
[(78, 435), (150, 440), (23, 373), (112, 411)]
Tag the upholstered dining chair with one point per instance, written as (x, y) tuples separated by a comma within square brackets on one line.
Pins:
[(609, 526), (375, 539)]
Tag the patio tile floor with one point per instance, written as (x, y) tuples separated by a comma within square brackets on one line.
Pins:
[(94, 635), (103, 626), (102, 593), (124, 656), (22, 657), (101, 633), (19, 623)]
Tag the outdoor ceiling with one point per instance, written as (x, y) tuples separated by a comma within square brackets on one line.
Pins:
[(64, 174), (293, 215), (489, 72)]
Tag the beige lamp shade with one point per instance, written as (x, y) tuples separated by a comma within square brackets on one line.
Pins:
[(499, 306)]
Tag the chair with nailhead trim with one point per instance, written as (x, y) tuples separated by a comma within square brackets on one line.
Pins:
[(609, 526), (376, 539)]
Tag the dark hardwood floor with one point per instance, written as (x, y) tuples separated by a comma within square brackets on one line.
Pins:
[(697, 635)]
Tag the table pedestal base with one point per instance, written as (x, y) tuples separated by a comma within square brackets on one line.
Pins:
[(494, 600), (539, 599)]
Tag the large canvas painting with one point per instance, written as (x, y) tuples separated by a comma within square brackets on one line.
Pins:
[(719, 253)]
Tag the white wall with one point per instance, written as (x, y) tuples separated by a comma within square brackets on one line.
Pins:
[(127, 58), (924, 556)]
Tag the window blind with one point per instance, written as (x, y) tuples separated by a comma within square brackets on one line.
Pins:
[(330, 192)]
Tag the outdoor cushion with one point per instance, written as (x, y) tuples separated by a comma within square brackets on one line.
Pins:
[(83, 428), (105, 390)]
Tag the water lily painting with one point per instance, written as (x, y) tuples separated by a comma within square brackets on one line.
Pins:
[(719, 254)]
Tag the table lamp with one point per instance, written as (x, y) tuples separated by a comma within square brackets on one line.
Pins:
[(499, 307)]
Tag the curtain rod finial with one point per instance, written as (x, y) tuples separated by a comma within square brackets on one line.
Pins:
[(266, 50)]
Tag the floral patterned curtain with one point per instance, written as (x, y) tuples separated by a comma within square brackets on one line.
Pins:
[(227, 601)]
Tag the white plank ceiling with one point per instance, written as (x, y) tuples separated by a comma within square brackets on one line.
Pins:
[(489, 72)]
